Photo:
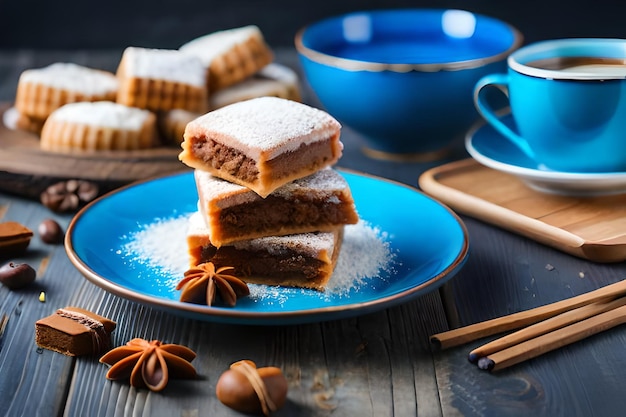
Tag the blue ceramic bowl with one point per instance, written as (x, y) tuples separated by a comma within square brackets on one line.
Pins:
[(403, 78)]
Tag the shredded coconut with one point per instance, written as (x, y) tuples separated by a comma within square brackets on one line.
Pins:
[(365, 259)]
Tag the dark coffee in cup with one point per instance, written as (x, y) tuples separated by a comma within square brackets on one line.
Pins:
[(591, 64)]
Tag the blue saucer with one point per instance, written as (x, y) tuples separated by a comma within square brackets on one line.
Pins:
[(491, 149)]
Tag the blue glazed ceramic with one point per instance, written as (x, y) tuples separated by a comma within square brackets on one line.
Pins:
[(403, 78), (487, 146), (568, 99), (427, 241)]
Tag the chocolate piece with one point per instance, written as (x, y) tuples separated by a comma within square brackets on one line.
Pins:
[(73, 331), (249, 389), (68, 196), (15, 276), (50, 232), (14, 239)]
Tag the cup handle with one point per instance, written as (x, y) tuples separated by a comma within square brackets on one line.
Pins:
[(501, 82)]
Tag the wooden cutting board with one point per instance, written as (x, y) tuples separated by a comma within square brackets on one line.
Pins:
[(592, 228), (27, 170)]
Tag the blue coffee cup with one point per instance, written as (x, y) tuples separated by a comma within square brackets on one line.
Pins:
[(568, 100)]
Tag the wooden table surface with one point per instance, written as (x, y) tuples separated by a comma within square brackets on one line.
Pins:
[(378, 364)]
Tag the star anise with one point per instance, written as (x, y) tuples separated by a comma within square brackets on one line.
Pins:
[(202, 283), (149, 364)]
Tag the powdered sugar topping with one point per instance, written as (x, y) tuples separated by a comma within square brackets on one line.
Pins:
[(266, 124), (72, 77), (209, 46), (164, 64), (324, 183), (312, 244), (364, 259), (102, 114)]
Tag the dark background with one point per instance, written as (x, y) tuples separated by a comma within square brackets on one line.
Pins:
[(63, 24)]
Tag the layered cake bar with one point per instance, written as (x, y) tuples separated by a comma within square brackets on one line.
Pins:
[(161, 79), (304, 260), (319, 202), (230, 56), (74, 331), (262, 143), (40, 91)]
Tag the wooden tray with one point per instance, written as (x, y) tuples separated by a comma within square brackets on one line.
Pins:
[(27, 170), (592, 228)]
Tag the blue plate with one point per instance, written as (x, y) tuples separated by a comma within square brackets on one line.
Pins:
[(427, 241), (491, 149)]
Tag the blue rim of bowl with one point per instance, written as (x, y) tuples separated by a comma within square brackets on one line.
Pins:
[(358, 65)]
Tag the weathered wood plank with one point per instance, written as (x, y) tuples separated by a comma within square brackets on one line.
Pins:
[(329, 369), (507, 273), (33, 383), (369, 365)]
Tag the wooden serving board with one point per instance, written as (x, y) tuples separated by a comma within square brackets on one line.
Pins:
[(592, 228), (27, 170)]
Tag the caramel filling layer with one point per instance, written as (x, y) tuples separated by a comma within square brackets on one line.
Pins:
[(274, 213), (218, 156), (289, 265), (221, 157)]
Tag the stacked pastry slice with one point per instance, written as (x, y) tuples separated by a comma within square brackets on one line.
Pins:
[(270, 203)]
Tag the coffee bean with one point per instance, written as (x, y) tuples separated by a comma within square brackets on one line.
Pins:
[(15, 276), (69, 196), (50, 232)]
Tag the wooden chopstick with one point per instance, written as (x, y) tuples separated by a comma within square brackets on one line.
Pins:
[(515, 321), (546, 326), (553, 340)]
